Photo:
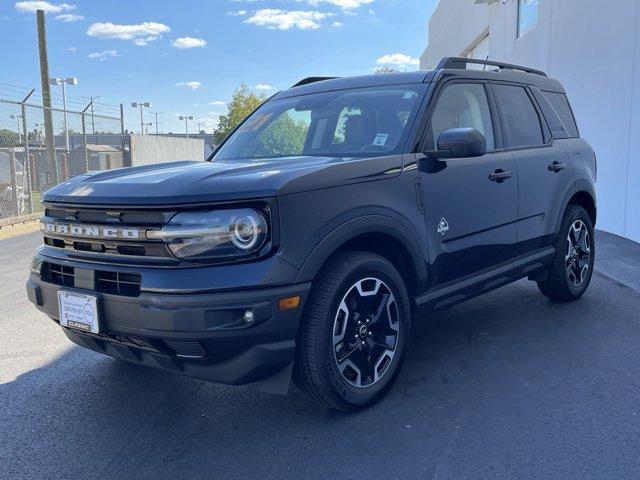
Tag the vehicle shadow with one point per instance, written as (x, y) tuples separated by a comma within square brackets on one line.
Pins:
[(86, 416)]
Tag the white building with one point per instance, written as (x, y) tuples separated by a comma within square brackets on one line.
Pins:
[(593, 48)]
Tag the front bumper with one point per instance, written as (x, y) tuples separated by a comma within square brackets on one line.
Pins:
[(199, 335)]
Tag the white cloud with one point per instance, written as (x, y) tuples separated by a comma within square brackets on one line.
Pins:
[(336, 24), (69, 17), (262, 86), (184, 43), (103, 55), (399, 59), (72, 49), (344, 4), (285, 19), (192, 85), (48, 7), (140, 34), (239, 13), (217, 103)]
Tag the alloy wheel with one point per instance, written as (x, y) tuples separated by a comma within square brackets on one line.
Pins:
[(365, 332), (578, 253)]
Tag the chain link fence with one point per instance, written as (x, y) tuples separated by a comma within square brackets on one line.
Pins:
[(41, 147)]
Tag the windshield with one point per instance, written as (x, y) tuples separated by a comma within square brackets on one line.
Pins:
[(359, 122)]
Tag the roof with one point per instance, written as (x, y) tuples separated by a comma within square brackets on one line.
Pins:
[(375, 80), (399, 78)]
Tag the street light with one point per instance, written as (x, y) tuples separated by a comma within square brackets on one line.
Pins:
[(186, 122), (64, 82), (141, 104), (18, 117)]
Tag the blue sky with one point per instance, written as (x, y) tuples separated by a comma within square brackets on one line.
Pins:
[(187, 56)]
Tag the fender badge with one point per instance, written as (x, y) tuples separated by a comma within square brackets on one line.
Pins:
[(443, 226)]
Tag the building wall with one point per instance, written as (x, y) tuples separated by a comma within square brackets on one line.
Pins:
[(593, 48), (146, 149)]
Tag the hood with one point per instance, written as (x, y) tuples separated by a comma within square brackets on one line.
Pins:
[(197, 182)]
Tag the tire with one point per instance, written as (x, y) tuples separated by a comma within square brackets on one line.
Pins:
[(332, 365), (567, 283)]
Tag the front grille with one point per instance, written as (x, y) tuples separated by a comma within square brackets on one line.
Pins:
[(112, 283), (98, 220), (117, 283)]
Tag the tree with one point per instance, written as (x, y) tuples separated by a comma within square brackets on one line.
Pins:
[(283, 136), (243, 102)]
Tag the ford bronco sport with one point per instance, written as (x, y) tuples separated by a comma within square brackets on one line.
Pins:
[(315, 233)]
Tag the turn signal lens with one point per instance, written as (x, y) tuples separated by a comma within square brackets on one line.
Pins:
[(289, 302)]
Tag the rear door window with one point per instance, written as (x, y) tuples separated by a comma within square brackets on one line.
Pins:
[(561, 106), (519, 116)]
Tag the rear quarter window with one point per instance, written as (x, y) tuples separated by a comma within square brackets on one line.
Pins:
[(561, 106)]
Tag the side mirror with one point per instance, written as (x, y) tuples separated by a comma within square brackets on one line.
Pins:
[(459, 143)]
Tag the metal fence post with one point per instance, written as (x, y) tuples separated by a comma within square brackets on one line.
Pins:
[(84, 137), (14, 186), (126, 159), (27, 156)]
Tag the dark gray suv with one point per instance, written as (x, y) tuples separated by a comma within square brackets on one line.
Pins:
[(328, 220)]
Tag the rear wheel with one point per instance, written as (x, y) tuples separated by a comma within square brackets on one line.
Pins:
[(352, 340), (572, 267)]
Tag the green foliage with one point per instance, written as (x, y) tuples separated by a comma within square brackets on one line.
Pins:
[(243, 102), (9, 137), (284, 136)]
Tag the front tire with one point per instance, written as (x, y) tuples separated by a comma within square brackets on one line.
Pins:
[(572, 267), (352, 340)]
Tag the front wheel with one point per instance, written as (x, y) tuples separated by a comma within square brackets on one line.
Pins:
[(572, 267), (352, 340)]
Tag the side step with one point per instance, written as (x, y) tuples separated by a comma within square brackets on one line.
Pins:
[(470, 287)]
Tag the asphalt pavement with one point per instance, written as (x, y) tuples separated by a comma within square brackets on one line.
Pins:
[(509, 385)]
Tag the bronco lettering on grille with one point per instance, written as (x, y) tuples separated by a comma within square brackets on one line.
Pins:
[(91, 231)]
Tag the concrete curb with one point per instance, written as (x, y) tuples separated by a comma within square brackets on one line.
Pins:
[(13, 221)]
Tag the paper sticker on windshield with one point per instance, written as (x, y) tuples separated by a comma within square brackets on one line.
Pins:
[(381, 139)]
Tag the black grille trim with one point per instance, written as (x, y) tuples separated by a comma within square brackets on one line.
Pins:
[(58, 274), (118, 283), (108, 282)]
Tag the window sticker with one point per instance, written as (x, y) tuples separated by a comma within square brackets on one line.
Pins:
[(381, 139)]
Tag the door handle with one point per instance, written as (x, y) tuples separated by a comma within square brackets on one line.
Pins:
[(500, 175), (556, 166)]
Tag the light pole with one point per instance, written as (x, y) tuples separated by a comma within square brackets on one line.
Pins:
[(40, 127), (156, 115), (64, 82), (18, 117), (141, 104), (186, 122), (150, 124)]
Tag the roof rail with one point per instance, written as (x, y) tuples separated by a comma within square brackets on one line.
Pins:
[(308, 80), (461, 64)]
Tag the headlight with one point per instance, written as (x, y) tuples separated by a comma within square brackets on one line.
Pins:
[(214, 234)]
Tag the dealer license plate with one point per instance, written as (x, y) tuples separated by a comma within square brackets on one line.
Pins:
[(79, 311)]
